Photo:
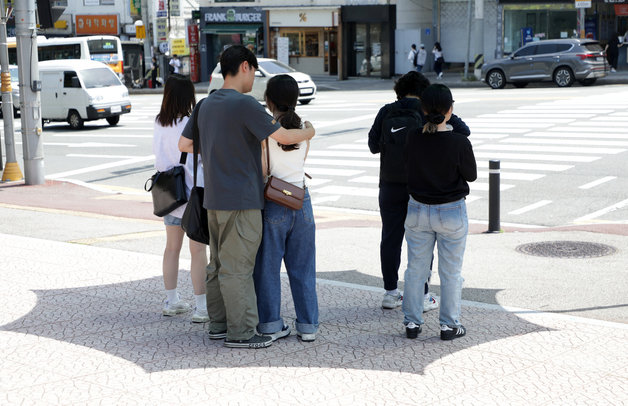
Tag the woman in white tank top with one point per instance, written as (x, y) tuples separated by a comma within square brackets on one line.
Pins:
[(288, 235)]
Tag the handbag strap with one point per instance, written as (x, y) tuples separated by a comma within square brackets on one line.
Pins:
[(196, 139), (184, 157), (267, 158)]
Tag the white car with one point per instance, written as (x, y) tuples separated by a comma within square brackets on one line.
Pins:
[(267, 69)]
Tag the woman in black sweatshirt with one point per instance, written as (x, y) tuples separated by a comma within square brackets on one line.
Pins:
[(439, 164)]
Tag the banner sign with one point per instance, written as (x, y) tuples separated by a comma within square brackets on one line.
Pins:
[(96, 24)]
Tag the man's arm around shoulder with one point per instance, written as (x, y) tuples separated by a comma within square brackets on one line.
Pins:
[(293, 136)]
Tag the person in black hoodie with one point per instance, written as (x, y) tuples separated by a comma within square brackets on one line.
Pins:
[(439, 162), (393, 192)]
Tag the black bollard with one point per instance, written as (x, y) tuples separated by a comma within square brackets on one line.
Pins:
[(493, 196)]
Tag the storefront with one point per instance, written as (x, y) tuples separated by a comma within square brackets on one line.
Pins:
[(368, 40), (313, 38), (221, 27)]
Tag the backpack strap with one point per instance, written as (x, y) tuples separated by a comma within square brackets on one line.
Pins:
[(196, 139)]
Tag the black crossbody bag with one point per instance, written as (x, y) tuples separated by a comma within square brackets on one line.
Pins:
[(168, 189)]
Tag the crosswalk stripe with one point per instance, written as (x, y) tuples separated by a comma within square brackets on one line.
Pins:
[(343, 162), (348, 191), (602, 212), (511, 125), (366, 179), (546, 148), (535, 157), (331, 172), (474, 186), (513, 175), (614, 124), (487, 136), (597, 182), (348, 154), (500, 130), (324, 124), (565, 142), (559, 109), (527, 166), (574, 133), (536, 116), (531, 207), (519, 120), (350, 146)]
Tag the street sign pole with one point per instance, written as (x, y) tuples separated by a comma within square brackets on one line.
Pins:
[(30, 87)]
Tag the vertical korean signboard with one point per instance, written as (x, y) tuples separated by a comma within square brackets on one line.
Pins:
[(195, 63)]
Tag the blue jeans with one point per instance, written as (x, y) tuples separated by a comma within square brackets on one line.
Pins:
[(288, 235), (447, 225)]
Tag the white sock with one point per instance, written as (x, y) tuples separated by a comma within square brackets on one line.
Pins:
[(393, 292), (201, 302), (172, 296), (426, 296)]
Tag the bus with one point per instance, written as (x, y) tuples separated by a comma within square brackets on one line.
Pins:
[(101, 48)]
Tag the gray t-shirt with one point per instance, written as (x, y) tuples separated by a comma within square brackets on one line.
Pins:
[(231, 128)]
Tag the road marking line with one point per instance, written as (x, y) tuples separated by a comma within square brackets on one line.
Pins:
[(575, 133), (603, 211), (325, 199), (528, 166), (597, 182), (349, 154), (324, 124), (500, 129), (475, 135), (514, 140), (536, 157), (90, 134), (101, 167), (544, 148), (120, 237), (101, 156), (513, 175), (474, 186), (332, 172), (554, 109), (79, 213), (366, 179), (348, 191), (343, 162), (531, 207), (317, 182), (540, 116), (507, 127), (511, 122), (84, 145), (359, 147)]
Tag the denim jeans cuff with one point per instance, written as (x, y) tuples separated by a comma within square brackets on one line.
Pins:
[(271, 327), (306, 328)]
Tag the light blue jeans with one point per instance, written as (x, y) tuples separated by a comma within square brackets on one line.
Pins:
[(288, 235), (447, 226)]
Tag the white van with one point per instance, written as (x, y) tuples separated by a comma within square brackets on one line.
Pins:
[(78, 90)]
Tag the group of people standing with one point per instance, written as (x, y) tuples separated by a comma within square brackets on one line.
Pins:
[(238, 292), (417, 58)]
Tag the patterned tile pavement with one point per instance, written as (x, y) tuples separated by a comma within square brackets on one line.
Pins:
[(82, 325)]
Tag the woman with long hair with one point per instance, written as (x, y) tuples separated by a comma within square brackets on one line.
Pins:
[(288, 235), (176, 107), (438, 60), (440, 163)]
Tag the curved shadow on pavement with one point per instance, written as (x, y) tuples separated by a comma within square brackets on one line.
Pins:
[(124, 320)]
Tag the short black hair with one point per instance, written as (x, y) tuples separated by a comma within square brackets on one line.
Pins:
[(232, 57), (412, 83), (413, 46)]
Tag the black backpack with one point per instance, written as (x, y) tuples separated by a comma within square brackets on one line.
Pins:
[(398, 124)]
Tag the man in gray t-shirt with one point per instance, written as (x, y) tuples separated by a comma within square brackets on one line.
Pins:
[(231, 128)]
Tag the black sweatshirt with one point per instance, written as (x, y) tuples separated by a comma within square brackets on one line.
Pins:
[(439, 166)]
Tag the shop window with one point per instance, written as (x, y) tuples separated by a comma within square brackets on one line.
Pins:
[(311, 44), (302, 43), (295, 46)]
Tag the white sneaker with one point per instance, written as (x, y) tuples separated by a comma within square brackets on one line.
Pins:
[(200, 316), (392, 301), (306, 337), (429, 303), (613, 70), (172, 309)]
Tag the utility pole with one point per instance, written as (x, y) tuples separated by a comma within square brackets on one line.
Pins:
[(148, 54), (12, 169), (466, 60), (30, 87)]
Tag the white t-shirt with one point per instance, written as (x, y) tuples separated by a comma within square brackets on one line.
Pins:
[(411, 55), (176, 64), (167, 156), (437, 54), (287, 165)]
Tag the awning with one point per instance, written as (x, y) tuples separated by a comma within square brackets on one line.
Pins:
[(230, 28)]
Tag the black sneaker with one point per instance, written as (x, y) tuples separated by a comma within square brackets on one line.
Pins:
[(412, 330), (450, 333), (257, 341), (217, 335)]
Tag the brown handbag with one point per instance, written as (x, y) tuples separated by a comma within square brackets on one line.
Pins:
[(282, 192)]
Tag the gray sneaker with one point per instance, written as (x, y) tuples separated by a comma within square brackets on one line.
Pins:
[(257, 341), (172, 309), (284, 332), (392, 301), (306, 337)]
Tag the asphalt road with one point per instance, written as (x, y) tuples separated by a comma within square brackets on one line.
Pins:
[(562, 151)]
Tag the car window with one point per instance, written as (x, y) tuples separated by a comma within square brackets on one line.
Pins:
[(543, 49), (563, 47), (527, 51), (593, 46), (67, 79), (275, 67), (99, 77), (14, 74)]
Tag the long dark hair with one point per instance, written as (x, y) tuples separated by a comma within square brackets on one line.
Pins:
[(283, 91), (437, 46), (179, 100), (436, 102)]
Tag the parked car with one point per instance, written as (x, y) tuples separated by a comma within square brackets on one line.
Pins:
[(562, 61), (267, 69), (15, 91)]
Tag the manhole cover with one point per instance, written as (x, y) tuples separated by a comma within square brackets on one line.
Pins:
[(566, 249)]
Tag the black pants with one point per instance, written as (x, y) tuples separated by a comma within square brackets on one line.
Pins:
[(393, 206)]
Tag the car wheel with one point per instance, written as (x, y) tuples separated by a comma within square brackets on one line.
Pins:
[(520, 84), (305, 101), (113, 120), (496, 79), (563, 77), (588, 82), (75, 120)]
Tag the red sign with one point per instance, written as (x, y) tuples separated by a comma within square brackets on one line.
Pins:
[(97, 24), (621, 9), (193, 35), (195, 63)]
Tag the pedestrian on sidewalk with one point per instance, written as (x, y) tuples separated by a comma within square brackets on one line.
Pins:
[(153, 73), (439, 60), (231, 128), (176, 106), (175, 64), (387, 138), (288, 235), (612, 51), (440, 162), (421, 57), (412, 56)]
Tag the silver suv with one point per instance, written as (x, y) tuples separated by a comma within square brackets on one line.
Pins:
[(560, 60)]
